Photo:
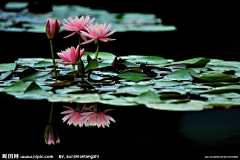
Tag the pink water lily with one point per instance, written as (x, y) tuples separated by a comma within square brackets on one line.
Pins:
[(74, 116), (70, 55), (50, 135), (96, 119), (77, 25), (52, 27), (98, 32)]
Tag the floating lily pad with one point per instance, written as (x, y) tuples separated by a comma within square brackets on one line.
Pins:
[(181, 75), (5, 75), (118, 101), (133, 75), (224, 89), (93, 64), (77, 98), (200, 61), (43, 64), (215, 77), (34, 88), (101, 55), (148, 97), (4, 67), (193, 105), (133, 90), (151, 60), (163, 84), (16, 87)]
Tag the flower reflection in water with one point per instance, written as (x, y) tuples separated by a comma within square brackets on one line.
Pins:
[(50, 134), (82, 117), (74, 115)]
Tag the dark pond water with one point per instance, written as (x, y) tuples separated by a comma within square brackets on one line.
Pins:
[(138, 132)]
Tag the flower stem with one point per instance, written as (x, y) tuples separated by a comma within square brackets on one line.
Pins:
[(50, 119), (80, 62), (53, 59), (96, 55), (73, 68)]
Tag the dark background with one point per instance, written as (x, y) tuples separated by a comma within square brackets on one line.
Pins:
[(207, 29)]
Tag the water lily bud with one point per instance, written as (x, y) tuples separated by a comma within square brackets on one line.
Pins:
[(52, 27), (51, 135)]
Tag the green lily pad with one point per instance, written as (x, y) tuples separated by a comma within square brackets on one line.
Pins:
[(215, 77), (16, 87), (93, 64), (231, 95), (101, 55), (224, 89), (200, 61), (224, 103), (148, 97), (218, 84), (163, 84), (43, 64), (193, 105), (150, 60), (4, 67), (31, 76), (181, 75), (5, 75), (77, 98), (132, 75), (34, 88), (223, 68), (118, 101), (133, 90)]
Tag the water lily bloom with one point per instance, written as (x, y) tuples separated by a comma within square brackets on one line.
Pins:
[(77, 25), (96, 119), (98, 32), (70, 55), (50, 135), (52, 27), (74, 116)]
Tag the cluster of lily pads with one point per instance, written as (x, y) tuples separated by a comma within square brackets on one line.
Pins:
[(16, 18), (194, 84)]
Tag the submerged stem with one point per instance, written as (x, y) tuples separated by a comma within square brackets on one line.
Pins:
[(53, 59), (96, 55), (50, 119)]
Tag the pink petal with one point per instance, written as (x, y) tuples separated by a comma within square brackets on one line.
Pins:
[(107, 29), (72, 54), (67, 111), (110, 33), (82, 52), (70, 35), (63, 57), (91, 21), (67, 55), (110, 118), (67, 27), (88, 41), (103, 39), (76, 52), (83, 37), (64, 63), (87, 34), (67, 116)]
